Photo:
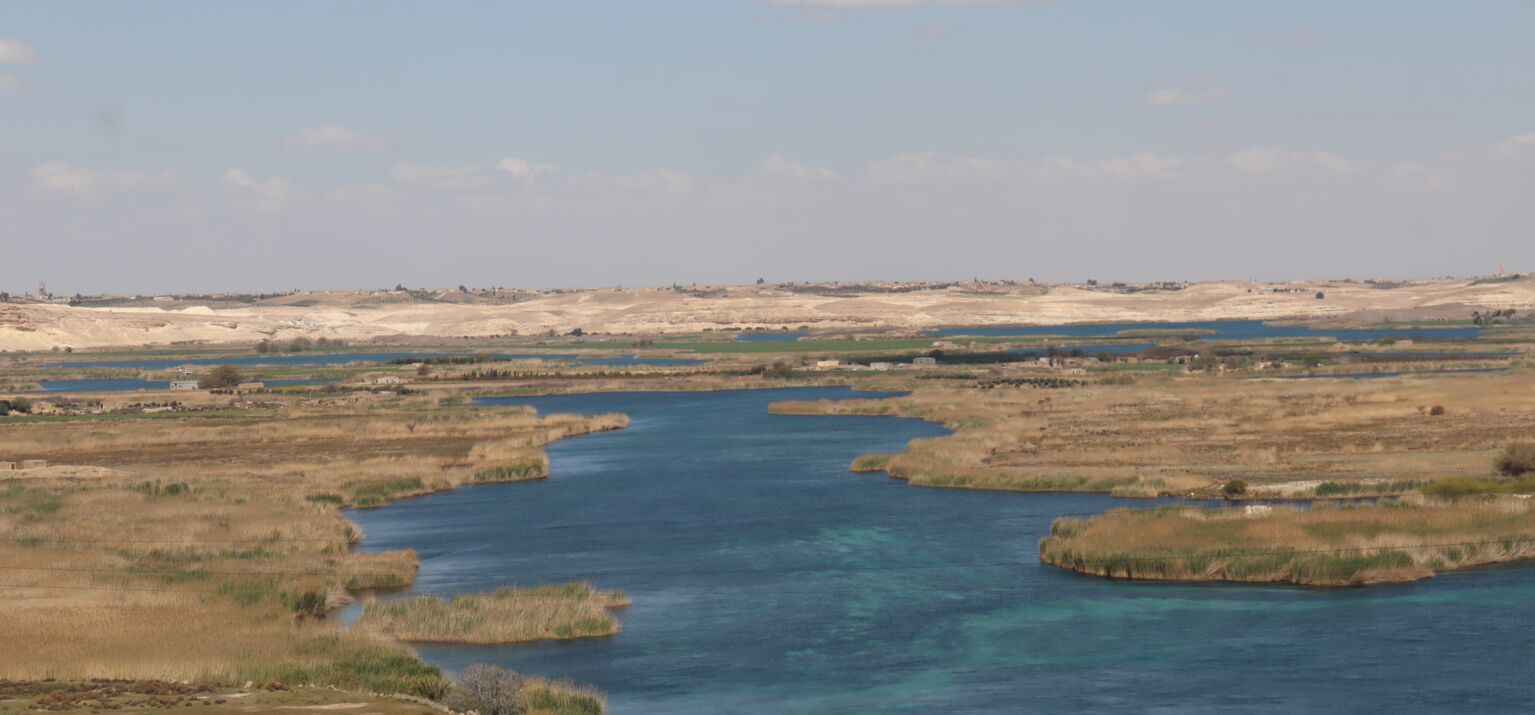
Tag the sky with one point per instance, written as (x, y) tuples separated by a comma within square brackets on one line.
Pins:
[(155, 147)]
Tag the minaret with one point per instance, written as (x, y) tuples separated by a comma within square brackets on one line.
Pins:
[(42, 290)]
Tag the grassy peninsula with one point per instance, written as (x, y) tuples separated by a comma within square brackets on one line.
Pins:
[(506, 615), (1327, 545)]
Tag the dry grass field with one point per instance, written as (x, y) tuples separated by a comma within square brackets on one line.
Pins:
[(1183, 435), (209, 548)]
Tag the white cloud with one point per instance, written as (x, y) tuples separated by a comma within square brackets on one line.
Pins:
[(444, 177), (59, 176), (778, 167), (524, 170), (907, 168), (1183, 96), (333, 139), (273, 192), (65, 177), (16, 52), (1261, 160), (1145, 212), (10, 83), (660, 181), (1140, 165), (1418, 175), (1514, 146)]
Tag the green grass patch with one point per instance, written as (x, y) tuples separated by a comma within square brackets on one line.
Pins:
[(352, 664), (1346, 489), (29, 502), (511, 472), (366, 494), (1462, 487)]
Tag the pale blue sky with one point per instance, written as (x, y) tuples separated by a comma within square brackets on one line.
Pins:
[(312, 144)]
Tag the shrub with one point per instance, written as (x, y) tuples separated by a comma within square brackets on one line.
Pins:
[(1516, 459), (309, 604), (220, 377), (487, 690), (1457, 487), (779, 369), (156, 489), (1436, 410), (1233, 488)]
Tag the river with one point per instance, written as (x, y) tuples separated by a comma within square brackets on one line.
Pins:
[(767, 578)]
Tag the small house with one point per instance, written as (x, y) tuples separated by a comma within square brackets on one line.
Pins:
[(880, 366), (184, 385), (924, 362), (828, 364), (7, 466), (34, 464), (388, 380)]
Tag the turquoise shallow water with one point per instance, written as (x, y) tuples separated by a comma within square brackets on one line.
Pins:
[(767, 578)]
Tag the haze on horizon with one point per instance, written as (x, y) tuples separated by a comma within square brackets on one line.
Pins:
[(184, 146)]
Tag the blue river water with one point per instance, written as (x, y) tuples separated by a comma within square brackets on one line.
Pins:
[(767, 578), (1222, 330), (329, 358)]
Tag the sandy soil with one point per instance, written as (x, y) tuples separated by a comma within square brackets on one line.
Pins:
[(360, 315)]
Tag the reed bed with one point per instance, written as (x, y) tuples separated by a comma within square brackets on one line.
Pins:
[(1327, 545), (1190, 435), (506, 615)]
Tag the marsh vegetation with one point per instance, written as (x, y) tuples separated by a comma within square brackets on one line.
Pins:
[(1326, 545), (506, 615), (212, 548), (1192, 435)]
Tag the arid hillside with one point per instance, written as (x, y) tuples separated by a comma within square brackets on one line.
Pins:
[(360, 315)]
